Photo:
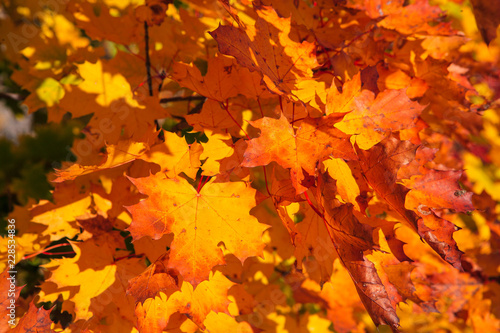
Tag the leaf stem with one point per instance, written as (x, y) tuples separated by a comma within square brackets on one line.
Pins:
[(313, 207), (203, 181), (260, 107), (45, 251), (226, 106), (128, 256), (265, 178), (206, 181), (198, 189)]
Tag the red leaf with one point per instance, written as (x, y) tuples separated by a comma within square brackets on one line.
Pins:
[(380, 166), (36, 320), (438, 189), (438, 233)]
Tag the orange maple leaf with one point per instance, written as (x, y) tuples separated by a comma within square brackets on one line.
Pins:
[(343, 102), (196, 303), (373, 118), (219, 83), (309, 237), (301, 150), (437, 189), (153, 280), (380, 165), (94, 275), (438, 233), (268, 49), (200, 221), (213, 116)]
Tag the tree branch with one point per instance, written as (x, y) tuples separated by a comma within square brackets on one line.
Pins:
[(182, 99), (148, 61)]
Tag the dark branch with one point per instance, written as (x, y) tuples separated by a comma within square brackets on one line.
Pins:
[(182, 99), (148, 61), (150, 80)]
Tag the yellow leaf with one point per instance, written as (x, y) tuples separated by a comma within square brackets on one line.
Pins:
[(346, 184), (50, 91)]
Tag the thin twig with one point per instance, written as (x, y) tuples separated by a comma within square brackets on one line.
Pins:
[(150, 79), (148, 61), (182, 99)]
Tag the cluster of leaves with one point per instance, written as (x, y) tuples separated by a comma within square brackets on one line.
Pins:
[(308, 173)]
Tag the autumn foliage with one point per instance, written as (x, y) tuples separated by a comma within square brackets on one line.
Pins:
[(266, 166)]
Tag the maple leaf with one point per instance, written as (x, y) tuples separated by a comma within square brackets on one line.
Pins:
[(388, 228), (398, 76), (155, 279), (35, 320), (309, 237), (209, 296), (351, 239), (153, 249), (342, 307), (105, 86), (415, 18), (399, 275), (446, 284), (59, 217), (301, 150), (386, 159), (343, 102), (175, 155), (200, 221), (373, 294), (376, 8), (396, 277), (213, 116), (253, 87), (182, 38), (282, 61), (119, 195), (373, 118), (217, 148), (95, 275), (397, 79), (120, 120), (437, 189), (102, 26), (347, 187), (218, 322), (124, 152), (380, 165), (218, 84), (438, 233)]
